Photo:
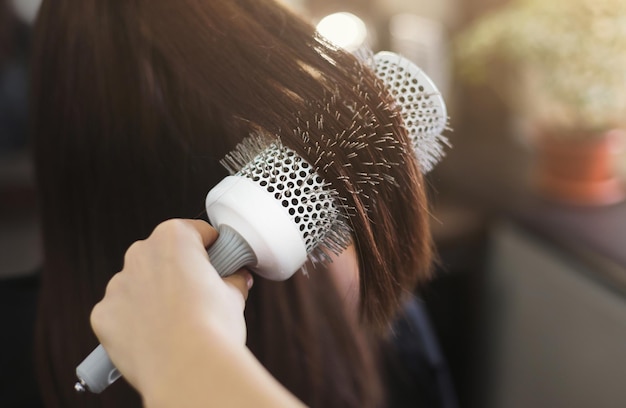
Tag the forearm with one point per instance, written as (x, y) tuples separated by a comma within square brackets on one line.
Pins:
[(206, 371)]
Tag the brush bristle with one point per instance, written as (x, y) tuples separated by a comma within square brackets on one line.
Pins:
[(350, 145), (310, 202)]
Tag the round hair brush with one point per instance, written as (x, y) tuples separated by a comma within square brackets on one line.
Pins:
[(273, 213), (420, 103)]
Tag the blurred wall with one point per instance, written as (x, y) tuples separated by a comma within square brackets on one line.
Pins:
[(556, 334)]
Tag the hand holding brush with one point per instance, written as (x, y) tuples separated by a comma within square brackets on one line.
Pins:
[(207, 331)]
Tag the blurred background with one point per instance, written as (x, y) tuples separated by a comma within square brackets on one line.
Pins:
[(529, 295)]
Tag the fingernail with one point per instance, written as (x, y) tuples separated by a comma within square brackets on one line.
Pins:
[(249, 280)]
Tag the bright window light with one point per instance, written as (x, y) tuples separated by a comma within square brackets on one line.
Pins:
[(344, 30)]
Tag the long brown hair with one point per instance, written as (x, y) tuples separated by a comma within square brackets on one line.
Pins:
[(136, 101)]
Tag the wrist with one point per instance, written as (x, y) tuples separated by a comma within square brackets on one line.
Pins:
[(211, 370), (186, 365)]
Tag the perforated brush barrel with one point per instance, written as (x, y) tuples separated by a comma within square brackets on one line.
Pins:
[(280, 206), (422, 107)]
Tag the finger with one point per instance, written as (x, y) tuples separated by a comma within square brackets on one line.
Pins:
[(207, 233), (180, 229), (242, 280), (100, 318), (114, 285), (95, 319)]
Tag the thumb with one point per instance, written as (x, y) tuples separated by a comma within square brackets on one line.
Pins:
[(241, 280)]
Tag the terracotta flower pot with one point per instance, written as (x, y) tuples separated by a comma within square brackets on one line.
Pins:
[(578, 170)]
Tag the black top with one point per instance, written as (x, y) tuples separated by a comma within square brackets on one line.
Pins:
[(18, 304), (417, 373)]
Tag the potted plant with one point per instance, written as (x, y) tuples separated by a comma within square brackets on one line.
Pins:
[(566, 76)]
